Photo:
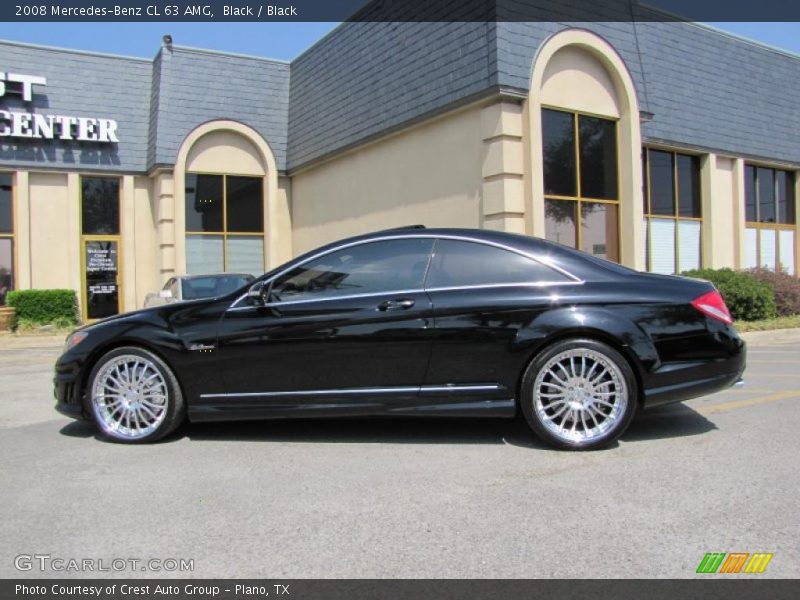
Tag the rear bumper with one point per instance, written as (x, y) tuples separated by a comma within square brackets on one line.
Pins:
[(678, 382), (679, 392)]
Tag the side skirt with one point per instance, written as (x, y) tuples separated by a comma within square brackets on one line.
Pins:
[(479, 400)]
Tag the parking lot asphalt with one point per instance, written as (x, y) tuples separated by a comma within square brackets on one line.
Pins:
[(407, 498)]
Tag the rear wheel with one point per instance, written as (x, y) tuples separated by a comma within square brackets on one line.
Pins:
[(579, 394), (133, 396)]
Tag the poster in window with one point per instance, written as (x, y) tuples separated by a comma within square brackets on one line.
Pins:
[(102, 288)]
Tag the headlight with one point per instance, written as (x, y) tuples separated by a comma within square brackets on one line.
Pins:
[(74, 339)]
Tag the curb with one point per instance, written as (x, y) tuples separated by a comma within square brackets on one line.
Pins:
[(775, 336)]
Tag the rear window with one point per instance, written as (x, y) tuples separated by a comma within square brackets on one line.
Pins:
[(459, 263)]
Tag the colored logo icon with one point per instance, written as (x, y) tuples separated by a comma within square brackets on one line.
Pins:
[(734, 562)]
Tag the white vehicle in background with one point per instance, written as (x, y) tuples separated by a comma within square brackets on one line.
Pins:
[(194, 287)]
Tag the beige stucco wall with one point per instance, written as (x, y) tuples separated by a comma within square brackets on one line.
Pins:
[(575, 80), (430, 175), (720, 215), (48, 235), (224, 151), (52, 259), (146, 273)]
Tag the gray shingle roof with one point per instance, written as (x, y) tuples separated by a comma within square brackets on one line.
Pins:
[(706, 89)]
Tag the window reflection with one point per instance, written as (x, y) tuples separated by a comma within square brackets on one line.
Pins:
[(580, 167), (100, 206), (220, 211), (364, 269), (558, 138), (600, 230), (560, 222), (598, 144)]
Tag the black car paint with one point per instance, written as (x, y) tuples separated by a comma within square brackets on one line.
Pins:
[(453, 352)]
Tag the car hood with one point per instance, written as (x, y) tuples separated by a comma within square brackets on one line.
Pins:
[(158, 312)]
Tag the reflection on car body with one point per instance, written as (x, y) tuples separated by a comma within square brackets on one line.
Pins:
[(195, 287)]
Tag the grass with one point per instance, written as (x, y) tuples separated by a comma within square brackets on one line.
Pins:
[(768, 324), (58, 327)]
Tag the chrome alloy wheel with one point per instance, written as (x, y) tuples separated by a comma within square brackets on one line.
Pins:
[(129, 397), (579, 395)]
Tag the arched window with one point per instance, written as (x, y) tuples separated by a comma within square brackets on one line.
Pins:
[(224, 224), (581, 182)]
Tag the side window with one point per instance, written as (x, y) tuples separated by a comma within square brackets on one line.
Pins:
[(374, 267), (457, 263)]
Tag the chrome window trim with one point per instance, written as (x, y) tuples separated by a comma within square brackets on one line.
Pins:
[(328, 299), (375, 390), (539, 259), (542, 284)]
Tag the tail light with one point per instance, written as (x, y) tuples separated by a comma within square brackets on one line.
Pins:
[(712, 305)]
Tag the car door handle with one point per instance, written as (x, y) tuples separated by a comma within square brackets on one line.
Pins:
[(400, 304)]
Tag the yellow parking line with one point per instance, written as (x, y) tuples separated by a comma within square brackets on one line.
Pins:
[(725, 406), (749, 376), (773, 362)]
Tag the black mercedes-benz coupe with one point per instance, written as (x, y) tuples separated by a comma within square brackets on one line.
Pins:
[(412, 322)]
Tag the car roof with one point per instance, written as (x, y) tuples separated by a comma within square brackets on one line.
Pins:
[(580, 264)]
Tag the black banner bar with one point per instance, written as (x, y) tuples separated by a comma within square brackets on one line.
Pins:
[(711, 588), (397, 10)]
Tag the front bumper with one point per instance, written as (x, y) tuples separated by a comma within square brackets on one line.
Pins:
[(67, 388)]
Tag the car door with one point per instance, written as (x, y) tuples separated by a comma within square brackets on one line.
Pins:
[(483, 297), (347, 331)]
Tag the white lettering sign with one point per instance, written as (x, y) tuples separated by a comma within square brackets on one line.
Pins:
[(49, 127), (27, 81)]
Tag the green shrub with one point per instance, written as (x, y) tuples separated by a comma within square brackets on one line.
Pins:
[(44, 307), (747, 298), (785, 287)]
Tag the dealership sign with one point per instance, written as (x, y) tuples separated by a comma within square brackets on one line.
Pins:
[(48, 127)]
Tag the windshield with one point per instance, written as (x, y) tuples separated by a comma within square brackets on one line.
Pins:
[(213, 285)]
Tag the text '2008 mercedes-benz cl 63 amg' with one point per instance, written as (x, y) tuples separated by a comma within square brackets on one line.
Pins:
[(412, 322)]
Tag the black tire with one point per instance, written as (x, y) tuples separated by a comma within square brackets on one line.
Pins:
[(173, 407), (618, 392)]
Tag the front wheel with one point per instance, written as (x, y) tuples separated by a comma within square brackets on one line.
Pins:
[(579, 394), (133, 396)]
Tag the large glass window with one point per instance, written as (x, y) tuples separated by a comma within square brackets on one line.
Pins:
[(672, 211), (224, 224), (371, 268), (100, 205), (6, 236), (581, 182), (100, 228), (770, 213)]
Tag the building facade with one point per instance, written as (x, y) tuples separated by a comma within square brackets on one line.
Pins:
[(663, 146)]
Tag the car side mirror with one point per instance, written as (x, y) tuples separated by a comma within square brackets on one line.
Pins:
[(165, 294), (258, 293)]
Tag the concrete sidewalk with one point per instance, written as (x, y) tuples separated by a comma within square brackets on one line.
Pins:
[(10, 341)]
